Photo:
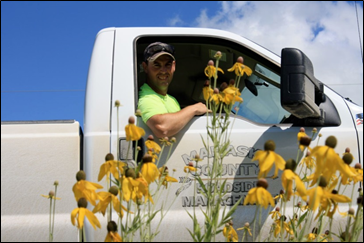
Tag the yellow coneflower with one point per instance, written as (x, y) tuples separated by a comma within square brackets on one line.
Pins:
[(216, 97), (288, 176), (326, 155), (112, 233), (267, 158), (210, 70), (82, 211), (246, 228), (240, 68), (230, 233), (275, 213), (207, 91), (51, 196), (319, 195), (259, 195), (85, 189), (150, 144), (164, 176), (189, 168), (149, 170), (106, 198), (110, 166), (142, 190), (128, 184), (133, 132)]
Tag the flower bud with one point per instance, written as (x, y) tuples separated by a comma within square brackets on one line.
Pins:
[(305, 141), (351, 211), (81, 175), (147, 158), (269, 145), (112, 226), (173, 140), (151, 137), (262, 183), (51, 193), (109, 156), (218, 55), (357, 166), (246, 224), (56, 183), (131, 120), (348, 158), (331, 142), (359, 200), (114, 190), (117, 103), (291, 165), (223, 86), (130, 172), (322, 182), (211, 63), (302, 129), (347, 150), (82, 203), (240, 59)]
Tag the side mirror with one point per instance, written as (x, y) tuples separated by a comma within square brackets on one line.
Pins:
[(301, 92)]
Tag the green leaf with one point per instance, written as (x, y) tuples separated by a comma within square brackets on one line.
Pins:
[(231, 211)]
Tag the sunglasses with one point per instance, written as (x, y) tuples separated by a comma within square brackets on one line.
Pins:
[(158, 48)]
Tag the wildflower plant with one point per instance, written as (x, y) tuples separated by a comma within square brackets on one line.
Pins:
[(219, 100), (132, 190), (52, 209), (321, 190)]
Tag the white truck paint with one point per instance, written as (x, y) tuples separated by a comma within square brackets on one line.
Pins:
[(115, 74)]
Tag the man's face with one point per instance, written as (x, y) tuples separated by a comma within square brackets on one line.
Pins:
[(160, 73)]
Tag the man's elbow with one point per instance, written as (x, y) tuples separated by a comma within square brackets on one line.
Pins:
[(160, 131)]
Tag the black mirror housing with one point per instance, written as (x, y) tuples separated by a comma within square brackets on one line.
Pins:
[(301, 92)]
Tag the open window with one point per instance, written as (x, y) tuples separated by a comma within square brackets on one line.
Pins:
[(260, 91)]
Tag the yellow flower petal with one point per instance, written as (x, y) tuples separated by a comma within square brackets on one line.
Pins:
[(81, 217), (92, 218), (73, 215)]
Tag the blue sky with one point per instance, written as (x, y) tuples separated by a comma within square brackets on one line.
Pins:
[(46, 46)]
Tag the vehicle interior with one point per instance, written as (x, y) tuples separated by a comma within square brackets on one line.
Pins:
[(260, 91)]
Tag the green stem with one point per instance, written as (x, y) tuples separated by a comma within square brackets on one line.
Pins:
[(54, 209), (50, 220)]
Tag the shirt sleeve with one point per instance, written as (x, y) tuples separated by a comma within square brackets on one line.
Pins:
[(150, 105)]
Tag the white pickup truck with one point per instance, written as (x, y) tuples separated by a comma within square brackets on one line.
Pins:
[(281, 96)]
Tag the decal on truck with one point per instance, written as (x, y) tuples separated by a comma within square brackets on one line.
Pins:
[(241, 177)]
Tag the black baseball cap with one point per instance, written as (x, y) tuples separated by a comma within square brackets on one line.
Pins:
[(157, 49)]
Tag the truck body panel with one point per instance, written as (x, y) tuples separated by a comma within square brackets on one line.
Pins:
[(33, 156)]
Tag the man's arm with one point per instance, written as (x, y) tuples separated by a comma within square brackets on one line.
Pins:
[(167, 125)]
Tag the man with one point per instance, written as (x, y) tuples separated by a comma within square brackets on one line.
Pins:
[(160, 111)]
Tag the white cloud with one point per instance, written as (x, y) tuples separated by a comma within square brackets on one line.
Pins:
[(176, 21), (327, 32)]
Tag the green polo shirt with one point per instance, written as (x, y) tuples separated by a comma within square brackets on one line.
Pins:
[(151, 103)]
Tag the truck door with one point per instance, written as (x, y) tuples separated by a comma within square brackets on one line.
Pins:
[(259, 118)]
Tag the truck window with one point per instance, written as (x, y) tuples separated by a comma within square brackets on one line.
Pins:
[(192, 55)]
